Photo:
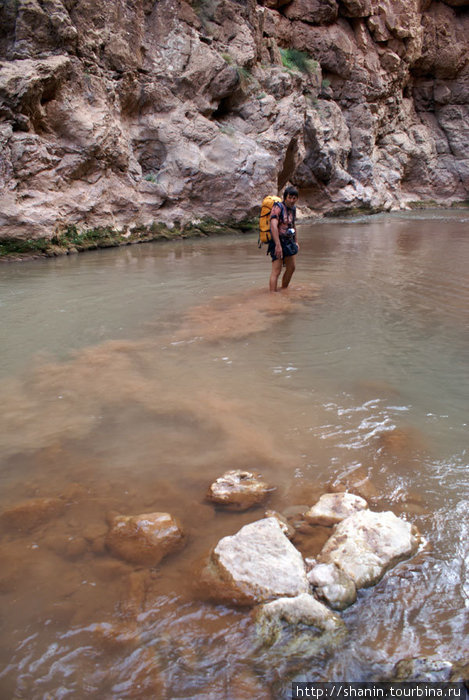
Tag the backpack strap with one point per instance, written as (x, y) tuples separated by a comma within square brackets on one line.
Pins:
[(283, 213)]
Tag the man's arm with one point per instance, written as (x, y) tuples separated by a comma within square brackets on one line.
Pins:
[(275, 236)]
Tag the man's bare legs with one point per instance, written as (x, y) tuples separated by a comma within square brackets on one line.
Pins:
[(277, 269), (290, 265), (275, 274)]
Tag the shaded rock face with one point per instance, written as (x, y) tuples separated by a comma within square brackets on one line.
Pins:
[(129, 113)]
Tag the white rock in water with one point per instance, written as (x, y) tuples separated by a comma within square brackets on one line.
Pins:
[(366, 544), (254, 565), (332, 585), (238, 490), (334, 507)]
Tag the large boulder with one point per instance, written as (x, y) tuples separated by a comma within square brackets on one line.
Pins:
[(365, 545), (144, 539), (256, 564)]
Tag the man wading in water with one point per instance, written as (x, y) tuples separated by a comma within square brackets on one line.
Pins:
[(283, 245)]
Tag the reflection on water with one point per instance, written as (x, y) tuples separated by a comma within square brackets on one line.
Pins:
[(132, 378)]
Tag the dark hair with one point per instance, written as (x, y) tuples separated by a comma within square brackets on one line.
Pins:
[(290, 190)]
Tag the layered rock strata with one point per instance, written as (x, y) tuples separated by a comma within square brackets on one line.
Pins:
[(121, 114)]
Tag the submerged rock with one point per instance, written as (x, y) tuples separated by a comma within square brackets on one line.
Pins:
[(256, 564), (334, 507), (431, 669), (238, 490), (144, 539), (293, 630), (333, 586), (366, 544), (28, 515)]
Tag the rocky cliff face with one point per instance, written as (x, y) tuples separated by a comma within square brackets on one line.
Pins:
[(127, 112)]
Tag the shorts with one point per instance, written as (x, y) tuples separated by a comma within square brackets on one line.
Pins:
[(288, 244)]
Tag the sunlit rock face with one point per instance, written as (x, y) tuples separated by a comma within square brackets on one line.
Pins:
[(366, 544), (332, 508), (127, 113), (256, 564)]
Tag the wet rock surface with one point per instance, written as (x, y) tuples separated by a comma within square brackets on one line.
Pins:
[(293, 630), (332, 585), (238, 490), (144, 539), (30, 514)]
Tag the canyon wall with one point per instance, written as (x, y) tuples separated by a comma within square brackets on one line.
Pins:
[(129, 112)]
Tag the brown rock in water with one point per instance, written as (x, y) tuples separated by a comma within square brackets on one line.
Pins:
[(66, 546), (13, 568), (401, 441), (238, 490), (144, 539), (334, 507), (28, 515)]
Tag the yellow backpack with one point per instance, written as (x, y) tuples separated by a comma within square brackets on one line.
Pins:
[(264, 220)]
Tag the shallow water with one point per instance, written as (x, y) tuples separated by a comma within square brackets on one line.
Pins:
[(131, 378)]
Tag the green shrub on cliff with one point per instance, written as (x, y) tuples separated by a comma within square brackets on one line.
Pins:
[(293, 59)]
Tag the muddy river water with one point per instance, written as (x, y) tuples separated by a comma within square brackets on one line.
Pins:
[(131, 378)]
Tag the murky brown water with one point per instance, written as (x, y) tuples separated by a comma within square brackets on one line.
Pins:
[(132, 378)]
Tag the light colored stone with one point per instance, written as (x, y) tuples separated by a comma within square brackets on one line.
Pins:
[(332, 585), (238, 490), (256, 564), (302, 609), (334, 507), (285, 526), (144, 539), (365, 545)]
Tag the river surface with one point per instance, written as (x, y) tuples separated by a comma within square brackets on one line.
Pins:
[(131, 378)]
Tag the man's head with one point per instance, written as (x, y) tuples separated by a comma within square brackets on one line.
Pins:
[(290, 196)]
